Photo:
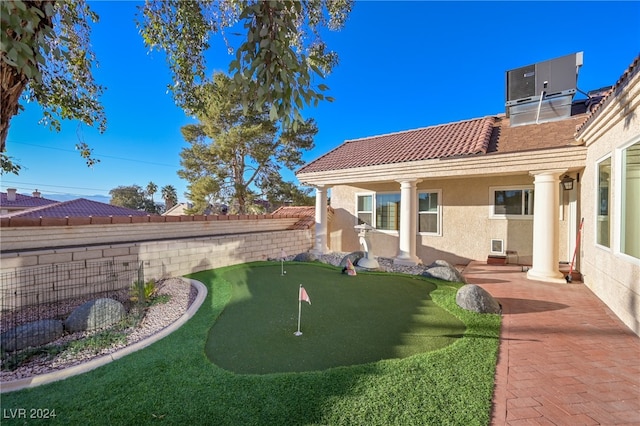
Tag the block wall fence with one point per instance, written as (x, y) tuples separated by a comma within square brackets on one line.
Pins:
[(166, 249)]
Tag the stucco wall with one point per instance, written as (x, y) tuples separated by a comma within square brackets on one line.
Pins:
[(612, 276), (467, 228)]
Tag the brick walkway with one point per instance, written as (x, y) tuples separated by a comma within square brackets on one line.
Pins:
[(565, 358)]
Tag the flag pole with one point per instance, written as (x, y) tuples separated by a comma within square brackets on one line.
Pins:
[(282, 267), (299, 333)]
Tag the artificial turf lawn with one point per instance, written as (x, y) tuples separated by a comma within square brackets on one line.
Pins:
[(352, 319), (173, 382)]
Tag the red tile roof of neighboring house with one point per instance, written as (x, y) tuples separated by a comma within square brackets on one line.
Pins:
[(80, 207), (633, 69), (478, 136), (306, 213), (23, 201), (468, 137)]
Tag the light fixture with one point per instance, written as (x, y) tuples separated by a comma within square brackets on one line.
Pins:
[(567, 182)]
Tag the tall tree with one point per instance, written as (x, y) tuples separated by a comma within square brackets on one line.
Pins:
[(46, 54), (46, 57), (232, 151), (169, 195), (152, 188)]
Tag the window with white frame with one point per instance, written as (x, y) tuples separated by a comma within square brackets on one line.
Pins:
[(388, 211), (364, 210), (603, 197), (429, 212), (515, 202), (630, 201)]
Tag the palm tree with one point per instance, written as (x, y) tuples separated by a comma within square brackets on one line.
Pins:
[(152, 188), (170, 196)]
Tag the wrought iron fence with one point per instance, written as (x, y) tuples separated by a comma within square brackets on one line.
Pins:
[(37, 303)]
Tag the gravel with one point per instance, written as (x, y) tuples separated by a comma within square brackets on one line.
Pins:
[(158, 316)]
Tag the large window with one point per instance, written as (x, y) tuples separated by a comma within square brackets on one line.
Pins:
[(512, 202), (428, 213), (630, 201), (388, 211), (382, 211), (603, 198)]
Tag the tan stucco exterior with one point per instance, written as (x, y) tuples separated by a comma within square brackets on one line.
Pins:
[(613, 276)]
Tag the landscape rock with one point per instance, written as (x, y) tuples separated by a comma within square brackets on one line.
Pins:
[(34, 334), (95, 314), (305, 257), (353, 256), (443, 270), (474, 298)]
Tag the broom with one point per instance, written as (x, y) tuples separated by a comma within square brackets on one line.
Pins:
[(575, 252)]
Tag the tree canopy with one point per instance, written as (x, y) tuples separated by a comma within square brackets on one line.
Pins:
[(236, 156), (133, 197), (46, 55)]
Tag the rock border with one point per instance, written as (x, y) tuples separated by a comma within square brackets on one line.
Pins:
[(55, 376)]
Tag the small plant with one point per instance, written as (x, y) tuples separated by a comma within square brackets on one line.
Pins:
[(143, 292), (159, 299), (97, 342)]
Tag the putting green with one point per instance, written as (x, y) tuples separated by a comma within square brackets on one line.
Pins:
[(351, 320)]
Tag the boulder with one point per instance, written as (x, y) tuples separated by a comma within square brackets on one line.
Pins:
[(95, 314), (34, 334), (443, 270), (305, 257), (474, 298), (353, 256)]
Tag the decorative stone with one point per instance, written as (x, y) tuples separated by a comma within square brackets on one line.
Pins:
[(474, 298), (353, 256), (32, 334), (443, 270), (95, 314), (305, 257)]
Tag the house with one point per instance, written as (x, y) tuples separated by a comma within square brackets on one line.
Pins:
[(80, 207), (515, 185), (11, 201)]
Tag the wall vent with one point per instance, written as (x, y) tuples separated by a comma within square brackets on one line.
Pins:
[(497, 246)]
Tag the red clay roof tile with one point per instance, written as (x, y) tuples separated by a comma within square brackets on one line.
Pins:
[(77, 208)]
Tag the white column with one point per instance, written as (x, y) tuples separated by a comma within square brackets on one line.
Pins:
[(545, 228), (408, 224), (320, 246)]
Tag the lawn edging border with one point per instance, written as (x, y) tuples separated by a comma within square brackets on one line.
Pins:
[(42, 379)]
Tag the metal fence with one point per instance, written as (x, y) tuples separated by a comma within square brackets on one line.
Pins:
[(33, 300)]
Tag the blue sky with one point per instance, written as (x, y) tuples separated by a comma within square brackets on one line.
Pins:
[(403, 65)]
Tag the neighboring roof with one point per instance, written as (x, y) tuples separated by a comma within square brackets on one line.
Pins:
[(479, 136), (306, 213), (23, 201), (80, 207), (633, 69)]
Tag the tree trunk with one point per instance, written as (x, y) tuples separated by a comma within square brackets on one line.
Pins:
[(12, 85)]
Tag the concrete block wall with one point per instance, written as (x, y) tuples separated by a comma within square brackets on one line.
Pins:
[(161, 258)]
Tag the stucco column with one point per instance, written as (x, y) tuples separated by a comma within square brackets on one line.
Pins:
[(545, 228), (408, 224), (320, 246)]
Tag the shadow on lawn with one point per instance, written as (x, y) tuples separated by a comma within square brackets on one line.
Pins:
[(351, 321)]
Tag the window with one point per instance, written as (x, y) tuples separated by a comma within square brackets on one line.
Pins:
[(512, 202), (365, 209), (388, 211), (603, 197), (428, 213), (630, 201)]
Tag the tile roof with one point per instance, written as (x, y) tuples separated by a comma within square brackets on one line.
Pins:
[(307, 215), (468, 137), (633, 69), (479, 136), (80, 207), (23, 201)]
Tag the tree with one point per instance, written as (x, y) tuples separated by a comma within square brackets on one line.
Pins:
[(232, 152), (46, 57), (169, 195), (131, 197), (46, 54), (152, 188)]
